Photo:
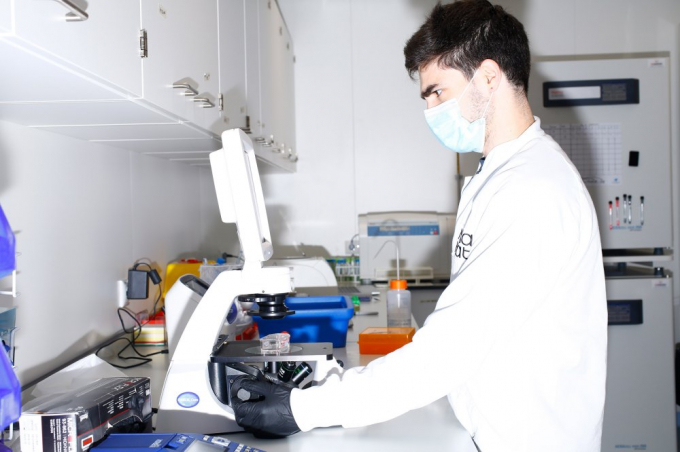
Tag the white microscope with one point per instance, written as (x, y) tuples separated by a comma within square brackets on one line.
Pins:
[(195, 397)]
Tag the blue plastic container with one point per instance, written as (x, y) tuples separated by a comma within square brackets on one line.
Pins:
[(7, 247), (316, 319), (10, 392)]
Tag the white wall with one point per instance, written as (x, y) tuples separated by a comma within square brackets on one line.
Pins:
[(83, 214), (216, 237), (363, 142)]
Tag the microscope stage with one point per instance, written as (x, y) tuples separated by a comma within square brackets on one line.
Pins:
[(248, 352)]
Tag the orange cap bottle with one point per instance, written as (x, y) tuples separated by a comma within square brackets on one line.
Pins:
[(398, 284), (398, 304)]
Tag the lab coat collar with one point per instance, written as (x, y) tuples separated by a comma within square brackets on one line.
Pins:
[(503, 152)]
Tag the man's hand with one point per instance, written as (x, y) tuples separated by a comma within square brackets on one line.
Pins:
[(269, 416)]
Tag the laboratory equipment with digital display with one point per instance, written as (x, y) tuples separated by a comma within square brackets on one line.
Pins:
[(424, 240), (611, 116)]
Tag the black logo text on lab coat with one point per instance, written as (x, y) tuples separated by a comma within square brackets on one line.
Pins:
[(463, 245)]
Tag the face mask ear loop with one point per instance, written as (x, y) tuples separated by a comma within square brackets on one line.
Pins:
[(489, 102), (468, 85)]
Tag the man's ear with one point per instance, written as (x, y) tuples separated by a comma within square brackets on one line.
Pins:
[(490, 75)]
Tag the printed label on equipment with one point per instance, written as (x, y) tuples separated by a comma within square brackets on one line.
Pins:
[(659, 283), (636, 447), (403, 228), (86, 442), (187, 400)]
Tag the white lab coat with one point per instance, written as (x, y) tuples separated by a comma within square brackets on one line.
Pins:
[(518, 340)]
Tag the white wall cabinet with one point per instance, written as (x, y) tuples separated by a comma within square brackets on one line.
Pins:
[(232, 57), (252, 36), (87, 79), (6, 16), (271, 90), (276, 79), (105, 45), (285, 92), (182, 49)]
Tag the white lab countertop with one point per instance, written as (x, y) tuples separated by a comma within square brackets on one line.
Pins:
[(433, 427)]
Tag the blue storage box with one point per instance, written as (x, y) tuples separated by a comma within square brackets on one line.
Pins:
[(316, 319), (10, 393)]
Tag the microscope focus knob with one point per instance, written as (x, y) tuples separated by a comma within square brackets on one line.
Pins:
[(269, 306)]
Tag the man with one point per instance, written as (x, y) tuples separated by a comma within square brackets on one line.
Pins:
[(517, 341)]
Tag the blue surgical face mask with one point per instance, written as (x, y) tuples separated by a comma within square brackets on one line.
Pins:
[(453, 130)]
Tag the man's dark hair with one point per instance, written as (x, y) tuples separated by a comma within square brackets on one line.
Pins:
[(462, 34)]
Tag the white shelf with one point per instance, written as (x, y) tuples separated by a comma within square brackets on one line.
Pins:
[(641, 255)]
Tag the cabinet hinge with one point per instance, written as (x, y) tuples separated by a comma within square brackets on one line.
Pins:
[(143, 45), (220, 102)]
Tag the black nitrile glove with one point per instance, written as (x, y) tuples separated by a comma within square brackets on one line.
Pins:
[(269, 416)]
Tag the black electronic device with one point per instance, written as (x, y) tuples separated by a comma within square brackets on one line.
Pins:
[(633, 158), (591, 92), (138, 284), (624, 312)]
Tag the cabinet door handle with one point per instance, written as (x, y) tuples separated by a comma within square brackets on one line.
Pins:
[(205, 102), (76, 14), (190, 90)]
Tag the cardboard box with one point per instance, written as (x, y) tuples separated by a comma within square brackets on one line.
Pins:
[(74, 421)]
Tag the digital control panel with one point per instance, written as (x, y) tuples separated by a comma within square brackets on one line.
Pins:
[(624, 312)]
